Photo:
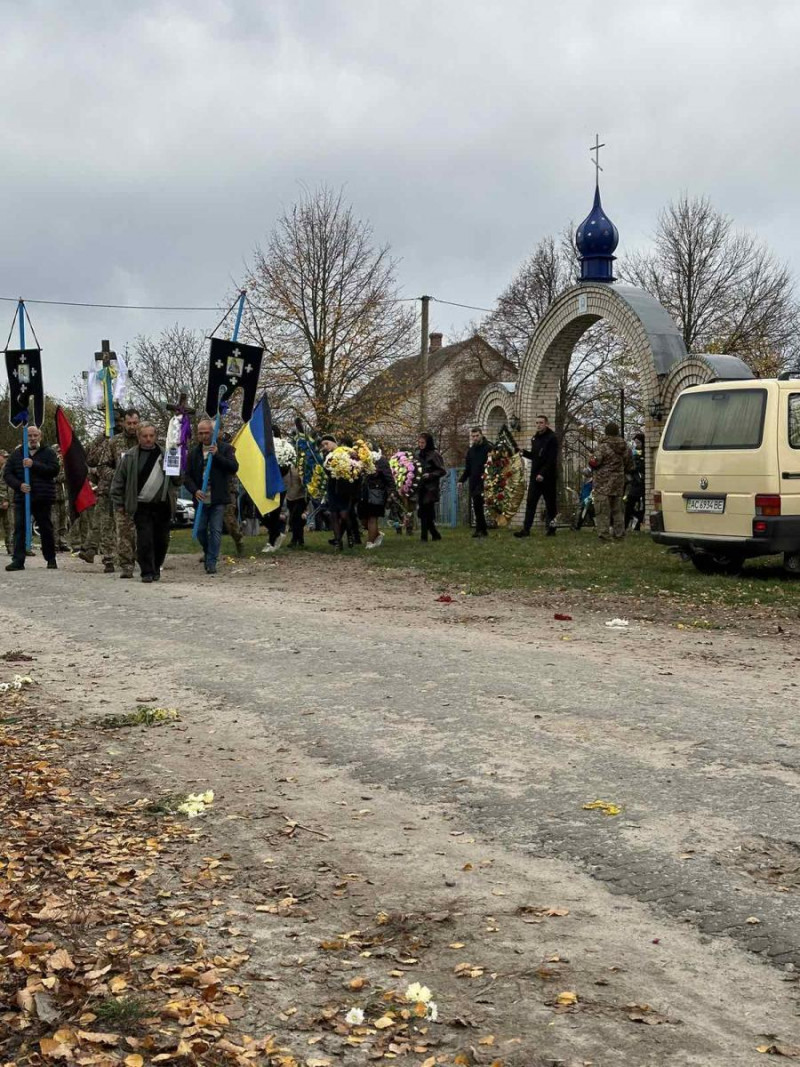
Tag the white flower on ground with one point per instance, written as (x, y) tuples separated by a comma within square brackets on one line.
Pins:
[(418, 994), (355, 1017), (196, 803), (433, 1011)]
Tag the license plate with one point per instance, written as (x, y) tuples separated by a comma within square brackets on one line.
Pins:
[(706, 505)]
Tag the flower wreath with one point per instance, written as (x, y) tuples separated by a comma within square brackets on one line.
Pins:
[(407, 474), (503, 483)]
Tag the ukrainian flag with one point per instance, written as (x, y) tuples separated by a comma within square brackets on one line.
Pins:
[(259, 472)]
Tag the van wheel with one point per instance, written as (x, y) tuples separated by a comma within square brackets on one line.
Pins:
[(708, 563), (791, 563)]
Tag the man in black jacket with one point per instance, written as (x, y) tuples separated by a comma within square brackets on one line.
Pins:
[(543, 455), (223, 466), (43, 466), (474, 464)]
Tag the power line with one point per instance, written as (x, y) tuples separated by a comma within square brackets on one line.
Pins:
[(215, 307), (121, 307), (455, 304)]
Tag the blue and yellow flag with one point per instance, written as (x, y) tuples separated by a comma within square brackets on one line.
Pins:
[(259, 472)]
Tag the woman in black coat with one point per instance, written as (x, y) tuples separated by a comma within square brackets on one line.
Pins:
[(377, 487), (433, 470)]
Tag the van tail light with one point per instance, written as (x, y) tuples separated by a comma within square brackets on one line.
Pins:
[(768, 504), (657, 500)]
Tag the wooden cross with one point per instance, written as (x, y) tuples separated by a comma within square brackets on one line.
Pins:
[(596, 149), (105, 355)]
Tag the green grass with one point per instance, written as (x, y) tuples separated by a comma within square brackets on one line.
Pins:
[(569, 562)]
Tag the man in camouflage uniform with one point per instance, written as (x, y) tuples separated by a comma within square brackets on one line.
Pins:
[(611, 463), (61, 508), (108, 525), (6, 507), (230, 520)]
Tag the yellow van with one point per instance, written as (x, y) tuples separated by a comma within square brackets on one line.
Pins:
[(727, 474)]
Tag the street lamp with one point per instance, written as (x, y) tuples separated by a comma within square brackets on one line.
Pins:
[(656, 410)]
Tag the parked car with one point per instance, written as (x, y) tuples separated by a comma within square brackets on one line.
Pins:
[(727, 475), (184, 513)]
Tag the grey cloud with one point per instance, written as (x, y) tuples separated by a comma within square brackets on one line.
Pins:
[(148, 146)]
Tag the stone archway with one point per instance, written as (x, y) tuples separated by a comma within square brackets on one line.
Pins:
[(699, 369), (650, 334), (495, 407)]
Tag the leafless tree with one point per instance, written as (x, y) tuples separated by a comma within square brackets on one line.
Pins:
[(159, 367), (724, 287), (326, 303)]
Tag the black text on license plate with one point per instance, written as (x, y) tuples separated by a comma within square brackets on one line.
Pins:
[(706, 505)]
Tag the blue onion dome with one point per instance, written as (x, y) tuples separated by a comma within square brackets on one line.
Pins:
[(597, 235), (596, 239)]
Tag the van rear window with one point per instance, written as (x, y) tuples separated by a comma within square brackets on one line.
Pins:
[(724, 419)]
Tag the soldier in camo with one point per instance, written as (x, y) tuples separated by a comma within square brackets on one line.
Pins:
[(109, 526), (6, 507), (230, 520), (61, 508)]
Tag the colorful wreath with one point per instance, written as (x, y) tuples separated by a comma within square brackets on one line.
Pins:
[(407, 474), (503, 483)]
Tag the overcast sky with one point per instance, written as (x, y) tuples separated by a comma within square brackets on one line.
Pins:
[(147, 147)]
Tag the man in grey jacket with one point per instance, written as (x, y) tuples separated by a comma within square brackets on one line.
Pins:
[(142, 491)]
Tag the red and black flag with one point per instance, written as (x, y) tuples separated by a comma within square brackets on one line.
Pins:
[(76, 469)]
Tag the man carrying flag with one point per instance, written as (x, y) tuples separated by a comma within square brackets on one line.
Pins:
[(259, 471), (217, 496), (42, 465)]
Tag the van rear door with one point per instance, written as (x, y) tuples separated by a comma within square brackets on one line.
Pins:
[(718, 451), (789, 448)]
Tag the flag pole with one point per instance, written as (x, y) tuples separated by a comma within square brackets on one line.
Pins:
[(26, 471), (218, 420)]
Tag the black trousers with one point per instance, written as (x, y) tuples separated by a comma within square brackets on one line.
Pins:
[(427, 521), (296, 521), (274, 522), (480, 514), (40, 513), (152, 536), (537, 490)]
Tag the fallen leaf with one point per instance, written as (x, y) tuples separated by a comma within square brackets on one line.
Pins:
[(605, 806), (357, 983), (383, 1022), (134, 1060), (60, 961), (753, 920), (567, 998)]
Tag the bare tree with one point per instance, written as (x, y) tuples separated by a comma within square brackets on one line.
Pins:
[(327, 305), (725, 289), (159, 367)]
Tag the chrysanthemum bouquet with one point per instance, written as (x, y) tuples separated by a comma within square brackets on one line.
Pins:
[(285, 452), (350, 463)]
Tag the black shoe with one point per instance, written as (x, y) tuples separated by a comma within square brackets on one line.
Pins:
[(551, 531), (522, 533), (436, 537), (15, 567), (52, 565), (108, 568), (126, 574), (157, 576), (148, 578), (86, 556), (62, 548), (333, 541)]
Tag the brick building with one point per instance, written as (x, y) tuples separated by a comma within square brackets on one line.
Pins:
[(389, 407)]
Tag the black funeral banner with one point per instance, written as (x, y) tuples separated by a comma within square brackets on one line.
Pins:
[(24, 371), (233, 365)]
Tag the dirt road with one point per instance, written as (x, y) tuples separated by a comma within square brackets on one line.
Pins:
[(441, 757)]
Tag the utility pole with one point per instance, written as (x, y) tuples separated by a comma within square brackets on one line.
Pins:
[(423, 385)]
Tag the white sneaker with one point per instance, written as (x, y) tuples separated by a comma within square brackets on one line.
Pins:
[(378, 541), (369, 544), (267, 548), (278, 542)]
